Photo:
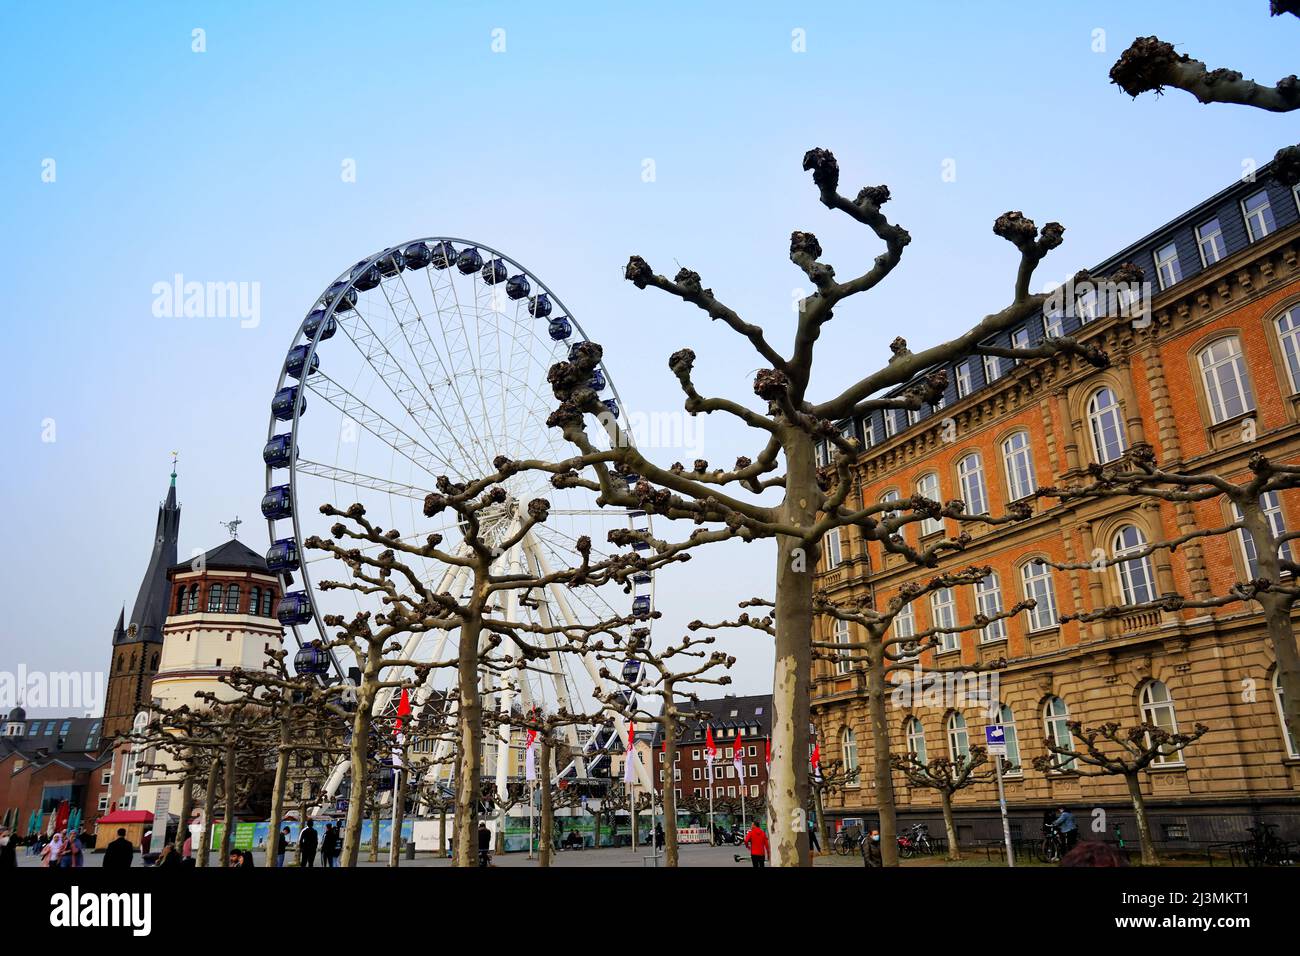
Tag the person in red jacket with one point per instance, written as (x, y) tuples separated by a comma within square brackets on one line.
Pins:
[(756, 840)]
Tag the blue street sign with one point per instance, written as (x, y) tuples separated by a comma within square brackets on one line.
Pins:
[(995, 737)]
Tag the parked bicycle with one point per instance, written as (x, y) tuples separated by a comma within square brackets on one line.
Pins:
[(915, 842), (1052, 848), (846, 841), (1265, 849)]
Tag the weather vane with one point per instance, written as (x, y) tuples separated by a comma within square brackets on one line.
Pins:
[(232, 526)]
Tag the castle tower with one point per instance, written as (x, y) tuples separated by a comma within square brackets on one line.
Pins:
[(137, 643)]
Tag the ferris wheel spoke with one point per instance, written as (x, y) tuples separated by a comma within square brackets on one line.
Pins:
[(335, 473)]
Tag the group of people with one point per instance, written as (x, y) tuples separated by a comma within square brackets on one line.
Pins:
[(62, 850), (330, 846)]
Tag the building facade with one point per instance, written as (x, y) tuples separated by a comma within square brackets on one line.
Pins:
[(1210, 376)]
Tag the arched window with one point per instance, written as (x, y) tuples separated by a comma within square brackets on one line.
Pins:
[(1036, 577), (1136, 582), (1008, 721), (1019, 463), (1227, 386), (988, 601), (153, 662), (1288, 336), (232, 599), (1056, 720), (1292, 744), (214, 598), (268, 597), (1158, 711), (927, 486), (943, 613), (904, 626), (958, 738), (254, 599), (1272, 507), (180, 600), (970, 472), (831, 548), (849, 743), (193, 606), (1106, 425), (915, 734), (889, 496)]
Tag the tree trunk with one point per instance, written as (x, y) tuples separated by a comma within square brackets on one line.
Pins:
[(636, 817), (1149, 857), (469, 717), (209, 807), (881, 752), (544, 828), (599, 816), (670, 797), (277, 800), (376, 816), (442, 831), (228, 831), (399, 813), (950, 826), (1277, 617), (357, 749), (819, 808), (187, 811)]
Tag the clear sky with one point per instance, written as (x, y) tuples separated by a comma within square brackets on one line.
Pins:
[(226, 166)]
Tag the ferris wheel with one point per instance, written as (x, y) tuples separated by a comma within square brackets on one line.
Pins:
[(423, 360)]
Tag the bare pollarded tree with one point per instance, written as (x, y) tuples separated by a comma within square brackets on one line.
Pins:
[(1151, 64), (783, 494), (1256, 525), (1113, 750), (662, 688), (892, 658), (947, 775)]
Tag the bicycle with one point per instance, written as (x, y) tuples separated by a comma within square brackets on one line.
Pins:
[(1265, 849), (845, 842), (1053, 846), (915, 842)]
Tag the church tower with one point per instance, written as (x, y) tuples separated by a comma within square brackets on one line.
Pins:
[(137, 642)]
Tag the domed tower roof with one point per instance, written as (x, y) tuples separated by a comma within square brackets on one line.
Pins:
[(17, 715)]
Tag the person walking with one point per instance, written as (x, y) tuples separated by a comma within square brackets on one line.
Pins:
[(484, 844), (281, 847), (50, 852), (756, 840), (307, 846), (330, 845), (68, 851), (119, 853), (8, 853), (1069, 829)]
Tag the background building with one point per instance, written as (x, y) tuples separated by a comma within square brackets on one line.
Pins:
[(1212, 378)]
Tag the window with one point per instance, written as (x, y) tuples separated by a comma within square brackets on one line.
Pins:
[(992, 366), (843, 660), (267, 598), (848, 432), (193, 606), (1295, 194), (695, 774), (887, 497), (958, 739), (833, 555), (1272, 506), (1037, 579), (891, 425), (1136, 582), (1106, 425), (1258, 215), (1019, 463), (970, 472), (927, 486), (820, 453), (1168, 271), (965, 384), (1056, 719), (1291, 743), (1019, 340), (1053, 324), (904, 626), (1085, 305), (214, 598), (1227, 387), (988, 601), (1158, 711), (915, 738), (232, 599), (254, 600), (913, 416), (850, 746), (180, 600), (1288, 334), (1209, 240), (1008, 721), (868, 433), (943, 614)]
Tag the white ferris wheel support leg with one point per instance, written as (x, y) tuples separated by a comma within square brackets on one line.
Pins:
[(508, 686)]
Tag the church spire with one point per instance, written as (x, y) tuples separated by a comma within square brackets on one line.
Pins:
[(151, 603)]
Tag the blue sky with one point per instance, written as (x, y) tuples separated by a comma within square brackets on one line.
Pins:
[(225, 166)]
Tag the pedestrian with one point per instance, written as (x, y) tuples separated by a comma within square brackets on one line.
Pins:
[(50, 852), (187, 848), (247, 862), (236, 859), (168, 857), (68, 851), (1069, 829), (307, 846), (756, 840), (282, 844), (484, 844), (8, 853), (119, 853), (814, 840), (330, 845)]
